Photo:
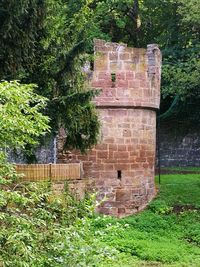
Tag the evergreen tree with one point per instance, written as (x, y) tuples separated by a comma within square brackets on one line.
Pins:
[(44, 42)]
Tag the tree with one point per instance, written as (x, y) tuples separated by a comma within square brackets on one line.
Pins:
[(21, 120), (47, 46), (20, 27), (174, 25), (61, 56)]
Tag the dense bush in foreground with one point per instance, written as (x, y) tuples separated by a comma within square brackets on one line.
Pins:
[(39, 228)]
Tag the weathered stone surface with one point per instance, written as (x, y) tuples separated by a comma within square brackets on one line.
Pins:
[(122, 164), (179, 148)]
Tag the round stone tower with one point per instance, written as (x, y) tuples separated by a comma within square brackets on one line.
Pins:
[(122, 165)]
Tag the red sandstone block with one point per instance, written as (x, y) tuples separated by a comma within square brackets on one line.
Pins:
[(92, 158), (102, 154), (104, 76), (140, 159), (122, 83), (110, 154), (109, 175), (113, 56), (107, 119), (100, 182), (115, 66), (150, 153), (124, 125), (108, 92), (120, 76), (142, 153), (109, 140), (142, 147), (110, 160), (143, 141), (125, 160), (83, 157), (130, 75), (108, 167), (136, 192), (132, 148), (123, 93), (134, 84), (112, 181), (129, 66), (124, 56), (140, 76), (144, 84), (93, 152), (151, 160), (135, 166), (117, 113), (129, 174), (112, 147), (147, 93), (121, 211), (122, 148), (122, 166), (120, 140), (87, 164), (101, 147), (121, 155), (97, 167), (145, 165), (135, 58), (123, 195), (139, 172), (98, 84), (127, 133), (95, 174), (144, 120)]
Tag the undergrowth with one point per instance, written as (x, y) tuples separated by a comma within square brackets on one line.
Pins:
[(167, 233), (39, 228)]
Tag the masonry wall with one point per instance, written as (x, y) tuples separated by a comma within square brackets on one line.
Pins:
[(121, 166), (179, 148)]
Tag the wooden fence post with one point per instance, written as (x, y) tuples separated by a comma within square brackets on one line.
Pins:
[(50, 171)]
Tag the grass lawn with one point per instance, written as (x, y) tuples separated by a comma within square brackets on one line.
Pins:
[(165, 234)]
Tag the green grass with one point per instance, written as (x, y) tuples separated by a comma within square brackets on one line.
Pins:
[(165, 234)]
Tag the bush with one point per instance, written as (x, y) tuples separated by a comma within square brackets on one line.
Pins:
[(39, 228)]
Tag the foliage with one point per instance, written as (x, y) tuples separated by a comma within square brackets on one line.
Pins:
[(47, 46), (21, 121), (20, 25), (174, 25), (61, 58), (46, 43), (39, 228), (166, 234)]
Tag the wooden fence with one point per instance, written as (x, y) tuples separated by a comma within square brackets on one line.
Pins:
[(53, 172)]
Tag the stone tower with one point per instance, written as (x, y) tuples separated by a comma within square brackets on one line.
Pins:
[(121, 166)]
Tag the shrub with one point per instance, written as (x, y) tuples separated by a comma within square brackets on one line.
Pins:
[(39, 228)]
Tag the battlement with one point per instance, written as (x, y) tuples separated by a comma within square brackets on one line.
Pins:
[(128, 77)]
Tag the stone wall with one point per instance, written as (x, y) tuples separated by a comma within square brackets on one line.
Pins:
[(121, 166), (44, 153), (178, 148)]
